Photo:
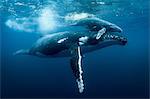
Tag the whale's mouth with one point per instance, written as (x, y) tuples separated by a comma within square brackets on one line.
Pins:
[(114, 36)]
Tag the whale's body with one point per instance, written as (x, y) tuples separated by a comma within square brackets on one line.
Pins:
[(95, 34)]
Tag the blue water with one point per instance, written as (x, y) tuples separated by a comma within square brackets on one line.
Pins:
[(115, 71)]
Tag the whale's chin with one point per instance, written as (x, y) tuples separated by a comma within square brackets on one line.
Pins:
[(114, 37)]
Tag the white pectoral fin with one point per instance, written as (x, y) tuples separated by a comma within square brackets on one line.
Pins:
[(76, 62), (83, 40), (100, 33)]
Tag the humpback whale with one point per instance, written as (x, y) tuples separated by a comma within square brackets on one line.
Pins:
[(97, 34)]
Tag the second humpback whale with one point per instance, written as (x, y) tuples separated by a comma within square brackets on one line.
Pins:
[(97, 34)]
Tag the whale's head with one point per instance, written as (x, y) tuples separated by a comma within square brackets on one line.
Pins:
[(112, 33)]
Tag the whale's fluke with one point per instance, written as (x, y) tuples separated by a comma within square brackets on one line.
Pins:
[(22, 52), (76, 62)]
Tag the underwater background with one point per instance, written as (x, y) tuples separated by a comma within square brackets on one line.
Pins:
[(115, 71)]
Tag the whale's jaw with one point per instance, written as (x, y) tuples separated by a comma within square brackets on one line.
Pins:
[(114, 37)]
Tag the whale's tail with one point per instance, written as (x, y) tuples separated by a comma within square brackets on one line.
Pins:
[(22, 52)]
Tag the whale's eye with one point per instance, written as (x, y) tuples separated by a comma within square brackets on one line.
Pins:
[(94, 27)]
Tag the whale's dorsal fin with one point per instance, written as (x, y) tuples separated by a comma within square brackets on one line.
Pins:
[(76, 62)]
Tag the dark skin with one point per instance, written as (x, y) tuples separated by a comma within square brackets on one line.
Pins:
[(93, 41)]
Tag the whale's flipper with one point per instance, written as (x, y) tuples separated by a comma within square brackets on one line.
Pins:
[(100, 33), (76, 62), (22, 52)]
